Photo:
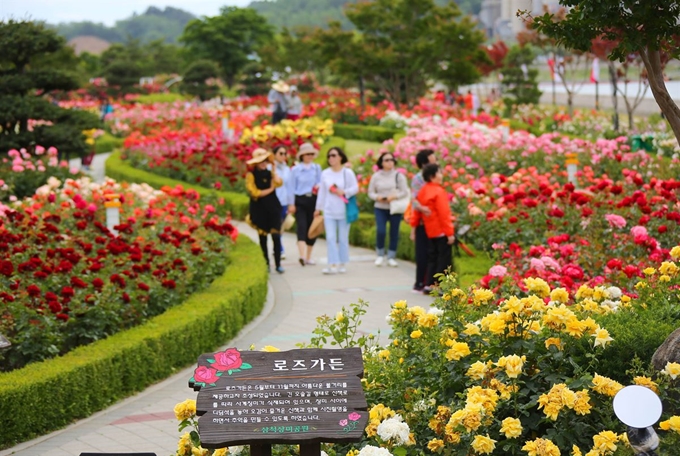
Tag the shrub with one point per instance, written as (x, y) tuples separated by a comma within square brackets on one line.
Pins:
[(364, 132)]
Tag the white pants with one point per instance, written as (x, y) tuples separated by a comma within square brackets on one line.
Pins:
[(337, 240)]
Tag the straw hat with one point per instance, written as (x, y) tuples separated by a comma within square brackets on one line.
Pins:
[(316, 228), (280, 86), (259, 155), (307, 148)]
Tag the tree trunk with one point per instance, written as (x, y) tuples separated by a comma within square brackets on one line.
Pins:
[(362, 94), (615, 98), (652, 61)]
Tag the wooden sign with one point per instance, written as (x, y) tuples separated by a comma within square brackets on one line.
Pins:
[(297, 396)]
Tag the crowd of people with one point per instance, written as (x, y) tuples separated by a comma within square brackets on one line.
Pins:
[(284, 102), (324, 200)]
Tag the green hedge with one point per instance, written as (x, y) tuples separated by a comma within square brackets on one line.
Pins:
[(107, 143), (45, 396), (364, 132), (117, 169)]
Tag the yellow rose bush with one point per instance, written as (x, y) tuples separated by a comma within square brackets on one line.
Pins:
[(479, 373), (290, 132)]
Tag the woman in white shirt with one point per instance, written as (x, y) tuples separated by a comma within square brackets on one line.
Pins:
[(338, 183), (282, 192)]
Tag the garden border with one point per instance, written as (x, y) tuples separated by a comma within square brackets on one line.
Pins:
[(93, 377)]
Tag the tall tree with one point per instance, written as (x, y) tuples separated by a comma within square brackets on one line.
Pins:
[(650, 28), (230, 39), (400, 45), (519, 79), (28, 72)]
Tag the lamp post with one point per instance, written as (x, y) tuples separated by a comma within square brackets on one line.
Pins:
[(505, 129), (572, 167)]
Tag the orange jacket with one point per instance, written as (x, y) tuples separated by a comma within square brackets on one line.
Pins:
[(437, 200)]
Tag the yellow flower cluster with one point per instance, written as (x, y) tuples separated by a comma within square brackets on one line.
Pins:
[(440, 419), (311, 129), (537, 286), (377, 415), (606, 386), (185, 410), (647, 383), (541, 447), (671, 424), (561, 396)]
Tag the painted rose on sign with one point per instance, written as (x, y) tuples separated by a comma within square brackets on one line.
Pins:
[(228, 361), (350, 423)]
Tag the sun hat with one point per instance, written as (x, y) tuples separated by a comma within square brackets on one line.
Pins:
[(307, 148), (259, 155), (280, 86), (293, 88)]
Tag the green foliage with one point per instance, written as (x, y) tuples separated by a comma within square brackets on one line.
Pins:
[(107, 143), (364, 132), (94, 377), (400, 45), (153, 58), (159, 98), (35, 61), (122, 75), (342, 330), (256, 79), (153, 24), (229, 39), (196, 80), (518, 87)]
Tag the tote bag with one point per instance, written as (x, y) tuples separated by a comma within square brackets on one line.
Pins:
[(351, 207), (399, 206)]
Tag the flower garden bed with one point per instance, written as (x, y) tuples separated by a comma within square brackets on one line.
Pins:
[(45, 396)]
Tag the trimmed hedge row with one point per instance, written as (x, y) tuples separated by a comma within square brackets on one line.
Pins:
[(365, 132), (45, 396), (107, 143)]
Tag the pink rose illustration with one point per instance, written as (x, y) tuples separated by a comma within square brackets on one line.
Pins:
[(343, 423), (229, 359), (354, 416), (204, 374)]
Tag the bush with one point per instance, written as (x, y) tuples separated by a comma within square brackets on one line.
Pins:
[(364, 132), (93, 377), (107, 143), (159, 98)]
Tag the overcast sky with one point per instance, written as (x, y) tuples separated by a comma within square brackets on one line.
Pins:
[(106, 11)]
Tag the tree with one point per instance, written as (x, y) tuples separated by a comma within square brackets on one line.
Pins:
[(519, 80), (122, 76), (650, 28), (400, 45), (28, 73), (230, 39), (196, 81)]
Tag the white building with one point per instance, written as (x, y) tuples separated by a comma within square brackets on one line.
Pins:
[(500, 16)]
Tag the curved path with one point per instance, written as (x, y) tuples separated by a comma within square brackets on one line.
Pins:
[(146, 423)]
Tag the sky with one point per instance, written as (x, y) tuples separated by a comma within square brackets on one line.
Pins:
[(106, 11)]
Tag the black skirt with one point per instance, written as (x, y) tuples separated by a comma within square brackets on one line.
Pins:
[(265, 212)]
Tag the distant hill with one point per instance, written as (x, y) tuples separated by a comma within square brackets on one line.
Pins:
[(154, 23), (317, 13), (92, 44)]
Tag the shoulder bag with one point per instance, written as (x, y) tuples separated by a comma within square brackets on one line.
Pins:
[(399, 206), (351, 207)]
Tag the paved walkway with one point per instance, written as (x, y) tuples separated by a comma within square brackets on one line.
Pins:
[(146, 422)]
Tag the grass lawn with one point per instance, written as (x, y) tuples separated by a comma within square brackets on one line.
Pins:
[(356, 148)]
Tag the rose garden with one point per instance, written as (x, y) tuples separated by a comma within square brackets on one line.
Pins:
[(574, 285)]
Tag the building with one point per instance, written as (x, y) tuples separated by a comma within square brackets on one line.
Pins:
[(499, 17)]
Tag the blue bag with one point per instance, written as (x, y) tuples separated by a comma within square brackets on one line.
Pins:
[(352, 209)]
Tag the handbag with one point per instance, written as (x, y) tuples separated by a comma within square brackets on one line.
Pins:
[(316, 228), (399, 206), (351, 207)]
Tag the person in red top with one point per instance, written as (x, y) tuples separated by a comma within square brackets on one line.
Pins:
[(438, 224)]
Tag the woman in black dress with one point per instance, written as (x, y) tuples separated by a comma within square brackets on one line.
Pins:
[(265, 208)]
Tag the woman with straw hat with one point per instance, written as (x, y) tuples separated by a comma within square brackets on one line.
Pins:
[(277, 101), (265, 209), (304, 186)]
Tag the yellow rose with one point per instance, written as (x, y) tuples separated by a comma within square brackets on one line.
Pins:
[(270, 349), (511, 427), (675, 252), (673, 423), (339, 317), (553, 341), (221, 452), (576, 451), (647, 383), (560, 295), (457, 351), (672, 370), (477, 371), (512, 365), (435, 445), (605, 442), (541, 447), (185, 410), (472, 329), (602, 337), (482, 296), (416, 334), (483, 444), (538, 286), (384, 354)]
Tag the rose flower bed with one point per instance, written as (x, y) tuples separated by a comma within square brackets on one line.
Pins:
[(66, 280)]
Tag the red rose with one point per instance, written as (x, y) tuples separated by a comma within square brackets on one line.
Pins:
[(62, 317), (6, 268), (126, 297), (98, 283), (67, 292), (662, 229), (143, 286), (33, 290), (169, 284), (614, 263), (204, 374), (227, 360), (78, 282)]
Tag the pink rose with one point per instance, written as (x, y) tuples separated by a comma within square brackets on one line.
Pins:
[(343, 423), (354, 416), (227, 360), (615, 221), (204, 374), (498, 271)]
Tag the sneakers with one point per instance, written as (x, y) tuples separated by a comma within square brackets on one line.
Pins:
[(328, 271), (342, 269), (310, 262), (392, 263), (380, 261), (280, 270)]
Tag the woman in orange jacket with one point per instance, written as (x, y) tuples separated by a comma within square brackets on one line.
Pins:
[(438, 224)]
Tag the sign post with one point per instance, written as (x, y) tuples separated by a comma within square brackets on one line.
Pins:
[(572, 167), (295, 397)]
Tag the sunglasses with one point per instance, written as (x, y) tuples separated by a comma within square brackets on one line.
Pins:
[(281, 153), (388, 159), (333, 155)]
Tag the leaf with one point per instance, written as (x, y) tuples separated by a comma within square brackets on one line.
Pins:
[(210, 360), (230, 371), (400, 451), (195, 439), (219, 373), (246, 366), (192, 380)]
